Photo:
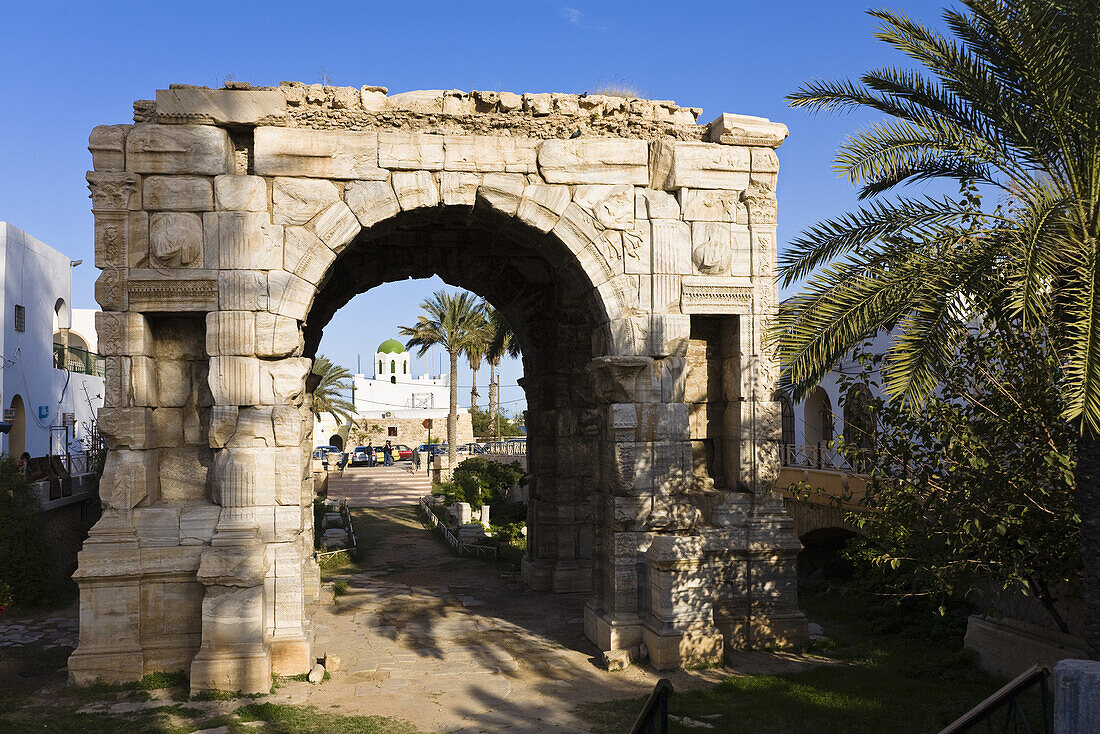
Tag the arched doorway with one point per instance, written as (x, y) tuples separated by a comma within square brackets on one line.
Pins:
[(336, 440), (818, 411), (17, 436), (640, 319)]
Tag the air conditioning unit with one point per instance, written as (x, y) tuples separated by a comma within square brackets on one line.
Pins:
[(387, 414), (68, 419), (9, 414)]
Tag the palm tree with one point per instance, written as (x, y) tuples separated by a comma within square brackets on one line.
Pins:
[(449, 320), (474, 346), (1006, 105), (327, 397), (502, 342)]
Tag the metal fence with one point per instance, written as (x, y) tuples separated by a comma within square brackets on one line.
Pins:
[(815, 456), (654, 716), (507, 446), (1007, 703), (78, 360)]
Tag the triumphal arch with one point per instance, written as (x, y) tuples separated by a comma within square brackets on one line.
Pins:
[(633, 251)]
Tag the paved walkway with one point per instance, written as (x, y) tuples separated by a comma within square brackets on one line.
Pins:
[(379, 486)]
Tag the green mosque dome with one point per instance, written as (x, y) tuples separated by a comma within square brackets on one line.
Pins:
[(391, 346)]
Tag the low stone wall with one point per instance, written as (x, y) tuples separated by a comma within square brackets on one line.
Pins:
[(1007, 647)]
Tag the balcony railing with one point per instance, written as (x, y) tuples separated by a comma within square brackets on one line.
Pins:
[(78, 360), (815, 456)]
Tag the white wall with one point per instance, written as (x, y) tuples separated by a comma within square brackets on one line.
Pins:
[(37, 277)]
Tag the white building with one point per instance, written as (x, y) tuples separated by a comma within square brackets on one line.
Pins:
[(394, 403), (52, 378)]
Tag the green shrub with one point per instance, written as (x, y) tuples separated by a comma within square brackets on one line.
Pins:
[(339, 588), (28, 574), (480, 481)]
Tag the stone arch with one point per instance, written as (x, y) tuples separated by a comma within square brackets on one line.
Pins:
[(638, 271), (17, 435)]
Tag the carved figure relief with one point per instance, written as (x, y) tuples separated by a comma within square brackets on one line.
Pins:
[(175, 238), (712, 256)]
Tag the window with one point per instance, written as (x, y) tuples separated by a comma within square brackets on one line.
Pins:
[(20, 318), (404, 368), (391, 431), (379, 366), (393, 366)]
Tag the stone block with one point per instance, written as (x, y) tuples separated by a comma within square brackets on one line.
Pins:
[(305, 255), (184, 474), (243, 240), (143, 381), (502, 191), (112, 239), (254, 428), (410, 151), (654, 204), (128, 478), (107, 144), (110, 290), (284, 380), (671, 242), (173, 382), (373, 98), (485, 153), (223, 424), (178, 193), (371, 201), (225, 106), (298, 200), (340, 154), (422, 102), (539, 105), (235, 380), (176, 240), (277, 336), (415, 189), (123, 333), (289, 295), (128, 428), (242, 290), (746, 130), (175, 149), (336, 225), (231, 333), (700, 166), (713, 205), (197, 524), (288, 427), (594, 161), (240, 193), (542, 206), (114, 191), (612, 206)]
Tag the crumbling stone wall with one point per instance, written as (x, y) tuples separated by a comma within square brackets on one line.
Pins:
[(632, 251)]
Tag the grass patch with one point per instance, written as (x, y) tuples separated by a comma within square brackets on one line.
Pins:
[(339, 588), (888, 670), (280, 719)]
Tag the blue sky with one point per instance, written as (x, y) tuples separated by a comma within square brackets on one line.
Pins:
[(67, 67)]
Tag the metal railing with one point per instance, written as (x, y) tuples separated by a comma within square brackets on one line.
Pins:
[(78, 360), (507, 446), (472, 549), (1007, 699), (815, 456), (654, 716)]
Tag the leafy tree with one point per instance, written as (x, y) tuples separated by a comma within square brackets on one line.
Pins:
[(1007, 104), (483, 481), (474, 347), (448, 320), (28, 568), (973, 490), (502, 342), (484, 425), (327, 397)]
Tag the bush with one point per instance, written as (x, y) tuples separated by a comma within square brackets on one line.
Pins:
[(479, 480), (25, 557)]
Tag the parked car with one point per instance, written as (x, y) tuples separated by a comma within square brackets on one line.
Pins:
[(401, 452), (360, 456), (322, 451), (432, 448)]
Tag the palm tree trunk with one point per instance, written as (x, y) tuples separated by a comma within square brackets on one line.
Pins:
[(493, 398), (452, 414), (1088, 504), (473, 387)]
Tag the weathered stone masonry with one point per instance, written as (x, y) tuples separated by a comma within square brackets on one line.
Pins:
[(632, 250)]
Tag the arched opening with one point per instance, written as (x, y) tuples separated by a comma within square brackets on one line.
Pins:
[(787, 420), (336, 440), (859, 417), (536, 283), (393, 366), (17, 436), (819, 417), (822, 554)]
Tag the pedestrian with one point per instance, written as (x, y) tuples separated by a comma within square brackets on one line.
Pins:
[(370, 453), (387, 454), (24, 464)]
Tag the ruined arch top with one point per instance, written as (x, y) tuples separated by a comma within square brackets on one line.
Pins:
[(224, 218)]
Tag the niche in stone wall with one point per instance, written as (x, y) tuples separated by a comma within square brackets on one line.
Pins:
[(182, 411), (713, 396)]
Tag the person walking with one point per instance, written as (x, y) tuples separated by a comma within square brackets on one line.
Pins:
[(387, 454), (370, 453)]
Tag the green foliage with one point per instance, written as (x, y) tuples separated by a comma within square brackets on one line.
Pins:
[(974, 489), (283, 719), (28, 574), (485, 426), (328, 394), (1005, 107), (479, 480), (339, 588)]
